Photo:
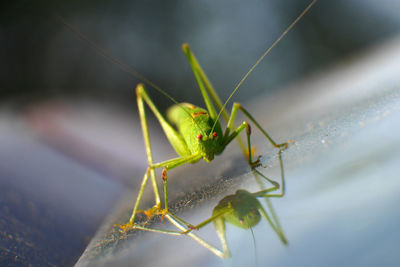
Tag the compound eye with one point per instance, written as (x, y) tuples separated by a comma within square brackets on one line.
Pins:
[(215, 135), (199, 137)]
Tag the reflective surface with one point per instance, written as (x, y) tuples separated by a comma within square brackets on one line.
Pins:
[(342, 180)]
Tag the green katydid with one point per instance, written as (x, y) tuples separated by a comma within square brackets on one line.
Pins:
[(198, 135)]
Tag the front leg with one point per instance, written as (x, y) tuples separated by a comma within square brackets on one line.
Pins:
[(231, 134), (235, 108), (174, 137), (248, 154)]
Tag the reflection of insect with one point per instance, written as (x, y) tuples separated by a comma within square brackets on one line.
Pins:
[(198, 135), (243, 210)]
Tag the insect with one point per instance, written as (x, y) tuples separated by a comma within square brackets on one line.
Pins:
[(196, 133), (243, 210)]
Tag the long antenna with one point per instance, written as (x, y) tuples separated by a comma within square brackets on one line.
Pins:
[(125, 67), (255, 247), (262, 57), (114, 60)]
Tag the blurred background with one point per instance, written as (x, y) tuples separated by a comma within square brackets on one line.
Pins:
[(42, 59), (69, 136)]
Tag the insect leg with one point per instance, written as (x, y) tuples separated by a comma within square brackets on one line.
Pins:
[(203, 223), (265, 192), (195, 68), (204, 83), (139, 197), (178, 223), (228, 136), (175, 139), (274, 217), (168, 164), (248, 115), (219, 224), (202, 78), (275, 227), (199, 240)]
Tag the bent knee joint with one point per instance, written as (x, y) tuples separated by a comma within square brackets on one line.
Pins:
[(164, 174)]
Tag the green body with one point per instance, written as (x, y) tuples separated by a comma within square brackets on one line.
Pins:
[(195, 125), (240, 209)]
